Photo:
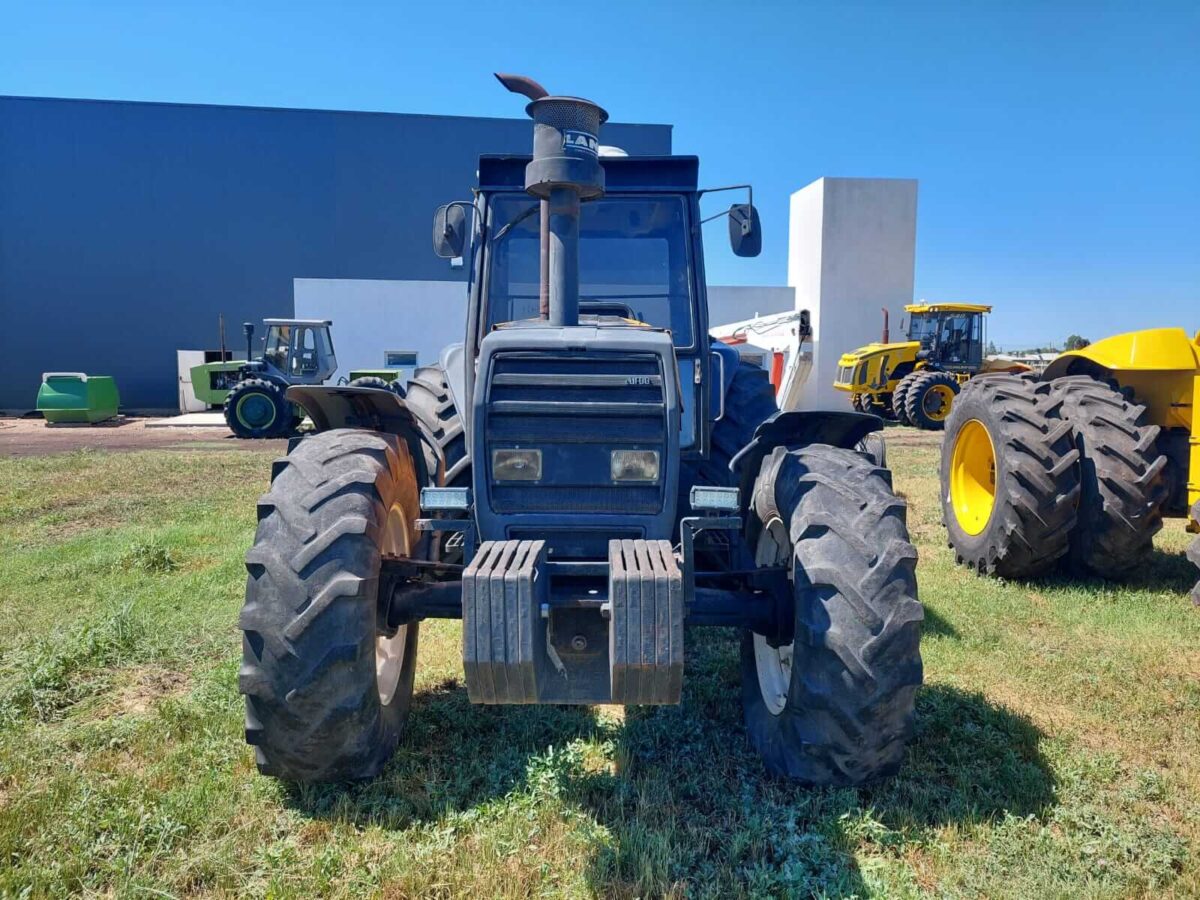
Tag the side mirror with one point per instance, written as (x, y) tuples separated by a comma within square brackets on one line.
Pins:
[(745, 233), (449, 231)]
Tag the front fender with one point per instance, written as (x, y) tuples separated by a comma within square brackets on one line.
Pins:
[(371, 409), (797, 429)]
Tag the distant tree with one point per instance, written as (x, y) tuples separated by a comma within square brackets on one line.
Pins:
[(1076, 342), (992, 349)]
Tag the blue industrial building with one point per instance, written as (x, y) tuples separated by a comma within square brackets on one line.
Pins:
[(126, 228)]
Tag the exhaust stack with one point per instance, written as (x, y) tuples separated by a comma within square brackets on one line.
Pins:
[(565, 170)]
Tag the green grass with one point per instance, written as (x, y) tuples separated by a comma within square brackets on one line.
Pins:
[(1058, 751)]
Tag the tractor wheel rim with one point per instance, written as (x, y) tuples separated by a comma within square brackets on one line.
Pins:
[(389, 651), (936, 402), (773, 664), (973, 477), (256, 410)]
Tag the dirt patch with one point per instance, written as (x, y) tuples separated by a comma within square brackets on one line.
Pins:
[(33, 437), (146, 686)]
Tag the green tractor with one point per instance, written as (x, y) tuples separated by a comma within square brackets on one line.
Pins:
[(295, 352), (609, 474)]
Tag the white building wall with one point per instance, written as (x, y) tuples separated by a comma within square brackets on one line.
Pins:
[(733, 303), (851, 252), (370, 317)]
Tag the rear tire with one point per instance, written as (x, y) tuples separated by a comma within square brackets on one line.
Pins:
[(929, 399), (1009, 477), (836, 706), (749, 402), (1122, 484), (429, 397), (327, 694), (899, 395), (255, 408), (874, 447), (382, 384)]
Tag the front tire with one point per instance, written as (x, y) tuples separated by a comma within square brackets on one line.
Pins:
[(327, 690), (929, 399), (836, 705), (1009, 477)]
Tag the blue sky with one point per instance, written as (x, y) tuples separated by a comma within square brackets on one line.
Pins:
[(1057, 144)]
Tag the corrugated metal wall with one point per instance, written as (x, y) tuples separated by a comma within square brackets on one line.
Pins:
[(125, 228)]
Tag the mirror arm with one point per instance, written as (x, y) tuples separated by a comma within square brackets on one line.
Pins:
[(748, 188)]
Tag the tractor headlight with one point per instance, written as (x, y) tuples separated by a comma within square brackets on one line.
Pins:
[(634, 465), (517, 465)]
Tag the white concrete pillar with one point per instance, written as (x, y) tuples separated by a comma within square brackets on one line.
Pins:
[(851, 252)]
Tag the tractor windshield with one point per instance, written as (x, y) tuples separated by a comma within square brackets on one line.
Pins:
[(633, 261), (923, 328)]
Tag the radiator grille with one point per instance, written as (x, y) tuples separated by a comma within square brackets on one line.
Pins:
[(576, 409)]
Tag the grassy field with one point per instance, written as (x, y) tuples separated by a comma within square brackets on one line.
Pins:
[(1058, 751)]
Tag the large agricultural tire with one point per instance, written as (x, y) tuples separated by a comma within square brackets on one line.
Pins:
[(874, 447), (899, 395), (836, 705), (1122, 483), (382, 384), (255, 408), (1009, 477), (749, 402), (327, 693), (929, 399), (1193, 552), (429, 397)]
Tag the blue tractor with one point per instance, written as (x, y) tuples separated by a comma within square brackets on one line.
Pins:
[(585, 476)]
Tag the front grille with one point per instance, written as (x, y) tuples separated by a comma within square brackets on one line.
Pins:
[(577, 409), (846, 375)]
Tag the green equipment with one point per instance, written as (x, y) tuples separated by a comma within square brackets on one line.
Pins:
[(296, 351), (77, 398)]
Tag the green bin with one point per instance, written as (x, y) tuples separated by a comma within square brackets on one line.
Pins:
[(75, 397)]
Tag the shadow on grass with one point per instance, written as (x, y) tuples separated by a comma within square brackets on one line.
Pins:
[(936, 624), (686, 803), (1163, 571)]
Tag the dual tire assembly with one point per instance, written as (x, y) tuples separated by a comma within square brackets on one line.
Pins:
[(1043, 475)]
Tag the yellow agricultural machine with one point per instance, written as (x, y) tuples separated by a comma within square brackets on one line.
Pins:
[(1077, 469), (916, 380)]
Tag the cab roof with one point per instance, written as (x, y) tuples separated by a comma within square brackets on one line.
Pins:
[(313, 322), (668, 174), (946, 307)]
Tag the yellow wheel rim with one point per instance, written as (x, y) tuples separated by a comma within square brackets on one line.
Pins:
[(936, 402), (973, 477)]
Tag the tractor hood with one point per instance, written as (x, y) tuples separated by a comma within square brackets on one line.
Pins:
[(875, 349), (1155, 349)]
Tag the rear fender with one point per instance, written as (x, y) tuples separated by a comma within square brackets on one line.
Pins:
[(371, 409), (794, 430)]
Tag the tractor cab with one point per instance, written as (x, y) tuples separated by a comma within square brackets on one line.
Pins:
[(951, 335), (299, 351)]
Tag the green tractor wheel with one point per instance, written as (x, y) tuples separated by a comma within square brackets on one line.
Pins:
[(255, 408), (374, 381)]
